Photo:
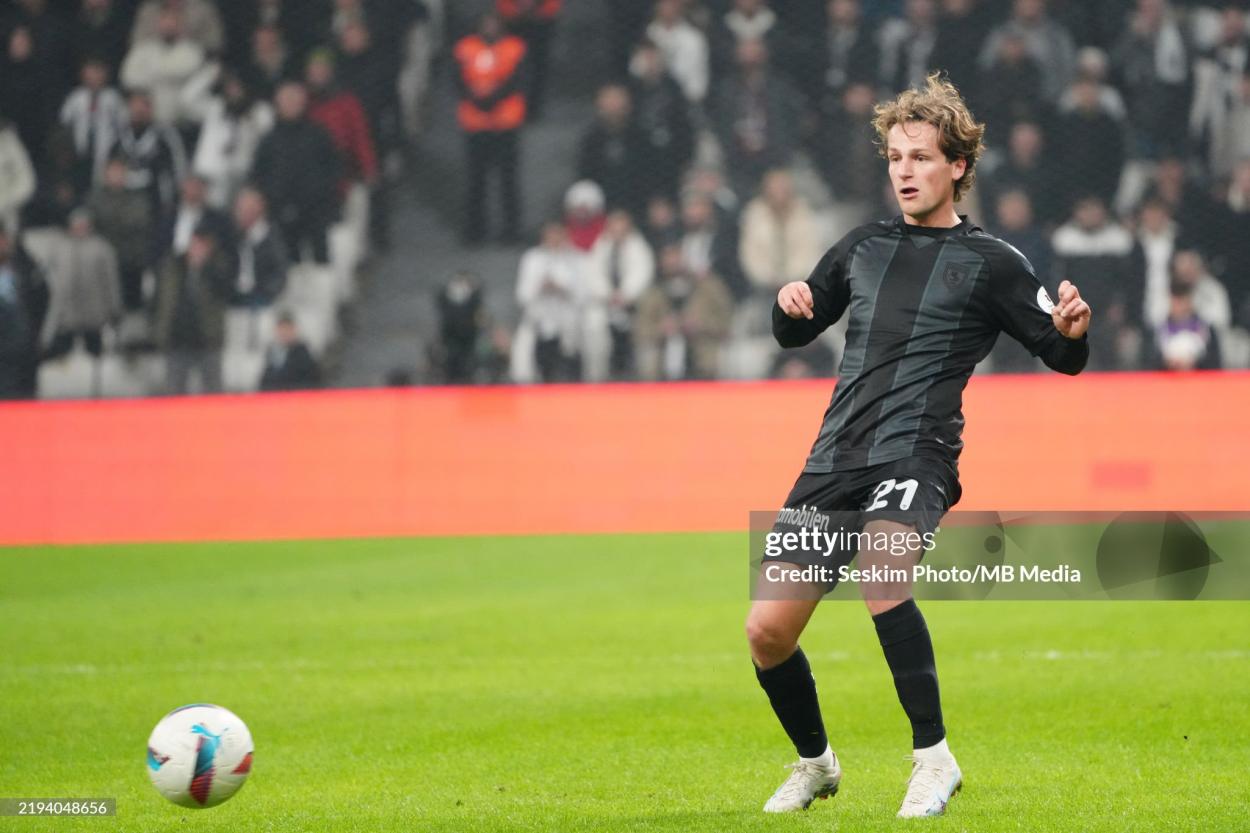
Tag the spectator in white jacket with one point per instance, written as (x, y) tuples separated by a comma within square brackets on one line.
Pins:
[(780, 239), (1156, 243), (1210, 298), (202, 22), (684, 48), (17, 176), (1220, 114), (233, 127), (625, 264), (93, 114), (1225, 123), (553, 284), (163, 65), (85, 289)]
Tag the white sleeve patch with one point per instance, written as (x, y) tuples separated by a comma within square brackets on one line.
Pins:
[(1043, 300)]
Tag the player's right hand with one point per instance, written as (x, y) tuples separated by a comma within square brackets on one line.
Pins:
[(795, 300)]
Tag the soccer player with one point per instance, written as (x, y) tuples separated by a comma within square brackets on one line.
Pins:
[(927, 294)]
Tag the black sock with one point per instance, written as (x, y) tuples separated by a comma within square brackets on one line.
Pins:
[(792, 691), (909, 651)]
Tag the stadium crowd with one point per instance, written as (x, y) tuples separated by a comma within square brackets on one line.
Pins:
[(200, 180), (730, 146)]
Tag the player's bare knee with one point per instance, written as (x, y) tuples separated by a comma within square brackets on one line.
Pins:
[(878, 606), (771, 643)]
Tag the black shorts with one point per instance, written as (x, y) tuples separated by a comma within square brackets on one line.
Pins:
[(916, 491)]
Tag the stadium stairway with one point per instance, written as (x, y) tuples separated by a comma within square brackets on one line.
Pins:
[(395, 319)]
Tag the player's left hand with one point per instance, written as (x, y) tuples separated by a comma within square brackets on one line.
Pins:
[(1071, 314)]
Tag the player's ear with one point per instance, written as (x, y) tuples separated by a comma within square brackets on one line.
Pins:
[(960, 168)]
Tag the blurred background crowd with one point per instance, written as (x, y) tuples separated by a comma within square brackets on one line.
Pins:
[(208, 195)]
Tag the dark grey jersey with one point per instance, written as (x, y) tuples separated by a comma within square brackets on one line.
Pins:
[(925, 306)]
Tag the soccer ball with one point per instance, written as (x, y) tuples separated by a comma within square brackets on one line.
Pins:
[(199, 755)]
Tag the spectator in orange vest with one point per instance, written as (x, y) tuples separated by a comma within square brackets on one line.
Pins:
[(533, 21), (492, 76)]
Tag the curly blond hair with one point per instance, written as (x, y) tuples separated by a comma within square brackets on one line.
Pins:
[(939, 104)]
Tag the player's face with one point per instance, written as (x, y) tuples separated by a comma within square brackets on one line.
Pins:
[(923, 179)]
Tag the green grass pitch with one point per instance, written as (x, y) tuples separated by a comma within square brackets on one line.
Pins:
[(587, 684)]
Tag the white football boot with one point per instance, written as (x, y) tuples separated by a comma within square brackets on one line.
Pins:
[(808, 782), (935, 777)]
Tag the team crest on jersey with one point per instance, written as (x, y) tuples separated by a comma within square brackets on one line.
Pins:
[(1043, 300), (954, 275)]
